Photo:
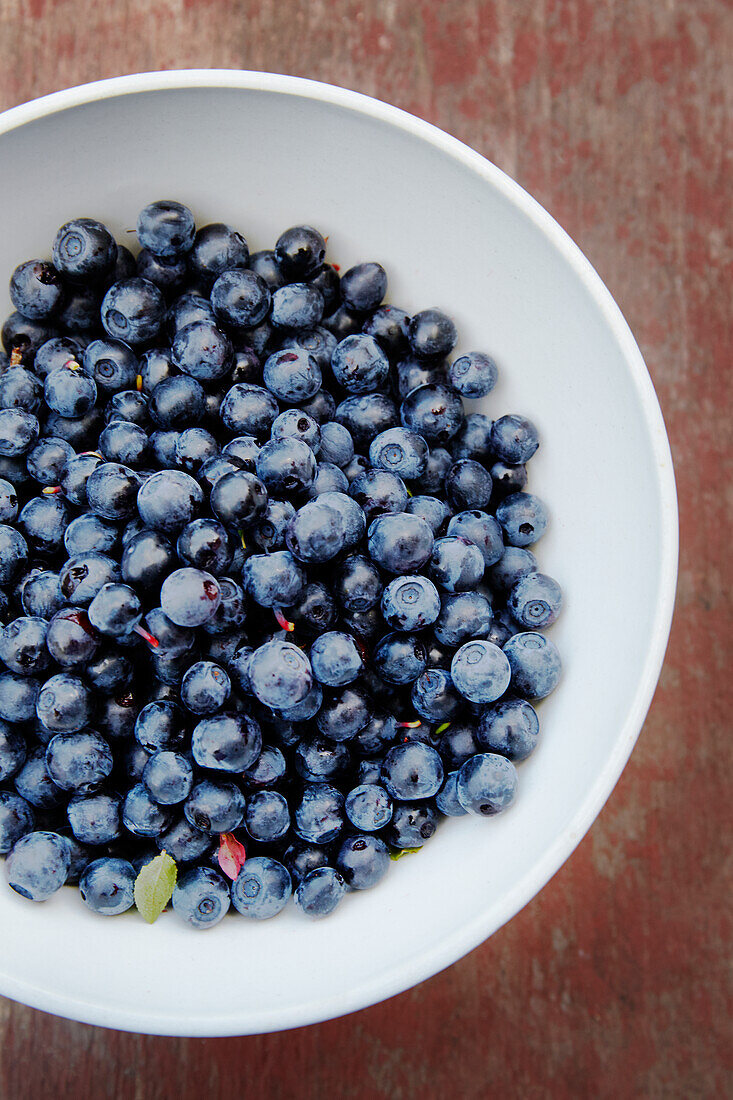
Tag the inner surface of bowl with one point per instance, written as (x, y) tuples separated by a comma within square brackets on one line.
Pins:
[(264, 153)]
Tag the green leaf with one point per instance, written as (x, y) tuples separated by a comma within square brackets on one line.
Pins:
[(154, 886), (398, 853)]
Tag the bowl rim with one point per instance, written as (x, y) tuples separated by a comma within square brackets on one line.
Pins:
[(467, 936)]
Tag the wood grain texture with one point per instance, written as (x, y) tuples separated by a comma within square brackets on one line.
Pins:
[(616, 116)]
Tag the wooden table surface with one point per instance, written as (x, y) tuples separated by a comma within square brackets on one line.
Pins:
[(616, 115)]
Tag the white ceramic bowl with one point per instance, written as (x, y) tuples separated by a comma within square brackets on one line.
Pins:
[(264, 152)]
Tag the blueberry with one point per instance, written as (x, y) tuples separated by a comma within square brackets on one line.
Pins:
[(133, 311), (481, 529), (321, 407), (399, 658), (23, 646), (319, 815), (514, 439), (109, 672), (317, 531), (456, 564), (367, 415), (18, 432), (359, 364), (315, 610), (265, 265), (438, 464), (410, 373), (107, 886), (261, 889), (344, 713), (336, 444), (297, 306), (434, 696), (202, 351), (319, 892), (301, 858), (486, 784), (34, 784), (535, 664), (400, 451), (327, 280), (502, 627), (510, 728), (412, 771), (43, 522), (357, 585), (177, 402), (95, 818), (238, 498), (78, 761), (166, 228), (215, 806), (173, 640), (13, 553), (36, 289), (80, 579), (447, 797), (468, 485), (507, 478), (115, 610), (160, 725), (379, 492), (112, 490), (217, 248), (41, 595), (300, 251), (227, 742), (141, 815), (318, 342), (328, 479), (84, 250), (184, 842), (25, 337), (523, 518), (369, 806), (389, 327), (514, 564), (286, 466), (169, 500), (400, 543), (243, 449), (535, 601), (56, 352), (412, 824), (190, 597), (267, 816), (16, 819), (18, 696), (480, 671), (8, 502), (88, 534), (249, 410), (280, 674), (434, 411), (201, 897), (319, 759), (410, 603), (463, 615), (435, 512), (147, 559), (38, 865), (295, 424), (12, 751), (155, 366), (111, 364), (335, 659), (205, 688), (363, 861), (269, 769), (168, 273), (204, 544), (473, 375), (230, 614), (20, 389), (458, 743), (273, 580)]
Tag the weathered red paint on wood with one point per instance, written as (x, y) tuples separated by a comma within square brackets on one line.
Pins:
[(616, 114)]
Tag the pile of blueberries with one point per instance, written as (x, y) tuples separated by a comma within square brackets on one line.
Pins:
[(263, 579)]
